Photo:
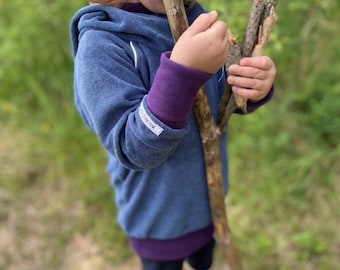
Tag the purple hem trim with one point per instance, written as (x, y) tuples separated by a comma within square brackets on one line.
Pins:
[(172, 249)]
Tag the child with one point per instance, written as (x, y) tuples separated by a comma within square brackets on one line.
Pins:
[(135, 89)]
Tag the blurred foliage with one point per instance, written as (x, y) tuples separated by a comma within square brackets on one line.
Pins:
[(284, 159)]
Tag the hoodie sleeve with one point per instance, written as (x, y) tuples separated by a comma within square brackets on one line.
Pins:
[(111, 97)]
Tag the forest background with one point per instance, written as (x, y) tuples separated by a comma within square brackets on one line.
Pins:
[(56, 203)]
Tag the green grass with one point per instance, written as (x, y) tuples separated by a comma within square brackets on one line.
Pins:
[(284, 196)]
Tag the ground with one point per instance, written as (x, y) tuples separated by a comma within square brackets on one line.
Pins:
[(32, 239)]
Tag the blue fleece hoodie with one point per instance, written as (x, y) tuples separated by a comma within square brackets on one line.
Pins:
[(138, 102), (158, 172)]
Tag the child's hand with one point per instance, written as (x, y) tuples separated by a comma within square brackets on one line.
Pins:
[(204, 45), (253, 78)]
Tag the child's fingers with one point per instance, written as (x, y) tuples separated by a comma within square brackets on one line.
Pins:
[(250, 94), (246, 72), (245, 83), (219, 29), (202, 23), (260, 62)]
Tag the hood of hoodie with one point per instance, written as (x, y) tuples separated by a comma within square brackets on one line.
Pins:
[(151, 29)]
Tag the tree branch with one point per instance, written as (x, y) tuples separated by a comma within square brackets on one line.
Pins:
[(250, 38), (264, 32), (177, 17), (210, 138), (258, 31), (229, 101), (261, 23)]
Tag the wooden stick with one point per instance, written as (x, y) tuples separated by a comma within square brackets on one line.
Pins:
[(209, 131), (229, 101), (177, 17), (251, 35), (261, 23), (210, 138), (264, 33)]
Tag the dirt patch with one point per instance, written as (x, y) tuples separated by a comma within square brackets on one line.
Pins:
[(29, 241), (81, 254)]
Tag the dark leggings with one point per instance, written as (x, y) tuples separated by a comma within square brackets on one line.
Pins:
[(200, 260)]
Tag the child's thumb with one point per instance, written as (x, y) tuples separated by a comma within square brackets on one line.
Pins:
[(203, 22)]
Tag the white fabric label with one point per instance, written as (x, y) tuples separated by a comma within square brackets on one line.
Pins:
[(156, 129)]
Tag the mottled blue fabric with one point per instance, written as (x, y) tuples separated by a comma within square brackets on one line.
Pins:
[(158, 172), (159, 179)]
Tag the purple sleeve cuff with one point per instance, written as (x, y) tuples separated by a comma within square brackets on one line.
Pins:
[(253, 106), (173, 92)]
